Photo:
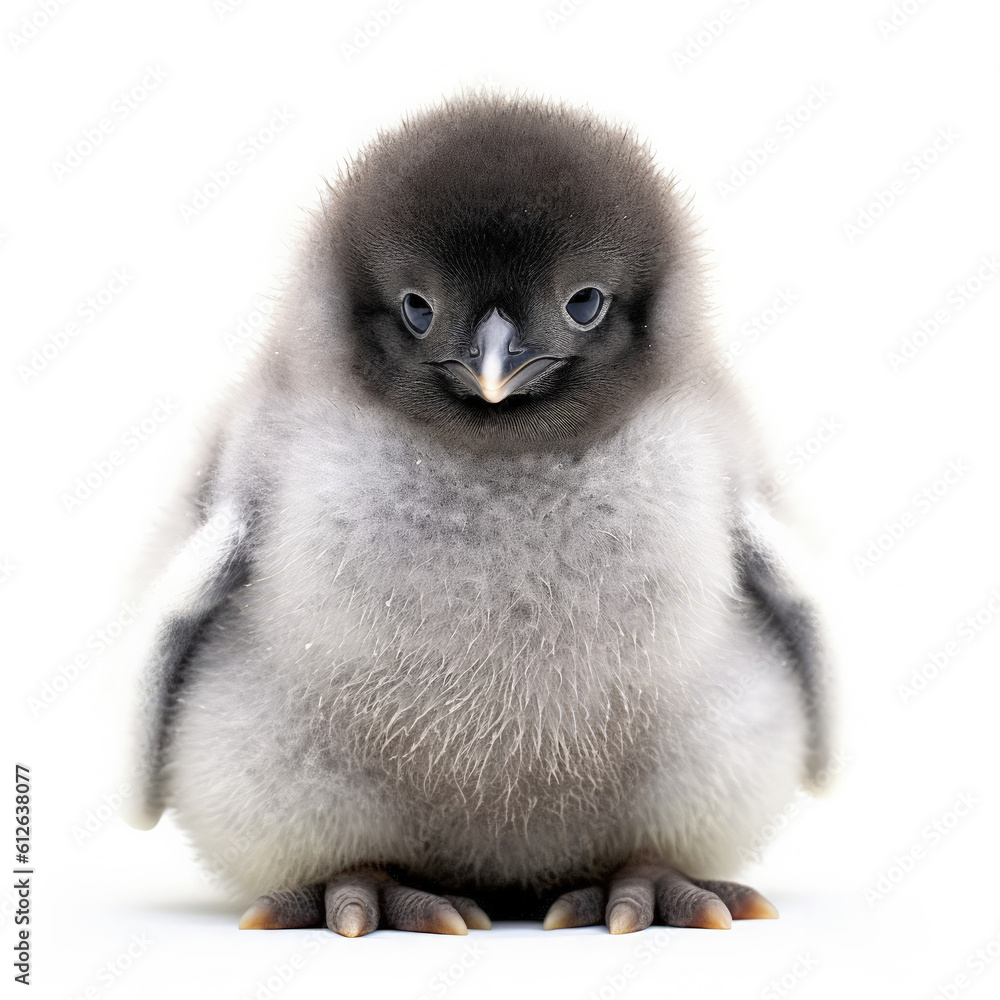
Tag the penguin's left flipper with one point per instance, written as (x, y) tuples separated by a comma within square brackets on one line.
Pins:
[(761, 547), (639, 895)]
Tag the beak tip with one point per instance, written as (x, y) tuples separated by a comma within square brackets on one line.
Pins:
[(492, 392)]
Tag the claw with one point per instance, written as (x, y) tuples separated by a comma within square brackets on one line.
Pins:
[(580, 908), (446, 923), (560, 915), (474, 916), (260, 916), (351, 920), (743, 902), (623, 920), (756, 908), (713, 915)]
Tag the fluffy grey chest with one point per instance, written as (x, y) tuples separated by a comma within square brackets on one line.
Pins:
[(492, 634), (481, 559)]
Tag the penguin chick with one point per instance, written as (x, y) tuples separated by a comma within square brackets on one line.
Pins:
[(480, 614)]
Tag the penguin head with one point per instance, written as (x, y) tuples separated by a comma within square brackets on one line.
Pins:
[(502, 263)]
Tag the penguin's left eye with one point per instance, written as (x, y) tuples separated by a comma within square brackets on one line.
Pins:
[(417, 314), (585, 305)]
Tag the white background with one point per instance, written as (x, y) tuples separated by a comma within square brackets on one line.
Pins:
[(101, 888)]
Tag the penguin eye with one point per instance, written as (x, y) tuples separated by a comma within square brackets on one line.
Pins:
[(585, 305), (417, 314)]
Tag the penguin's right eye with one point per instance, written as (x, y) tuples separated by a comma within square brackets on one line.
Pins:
[(417, 314)]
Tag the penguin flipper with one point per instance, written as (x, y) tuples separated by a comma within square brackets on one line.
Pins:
[(210, 565), (788, 614)]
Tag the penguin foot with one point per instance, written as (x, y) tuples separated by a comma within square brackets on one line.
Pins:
[(360, 901), (639, 894)]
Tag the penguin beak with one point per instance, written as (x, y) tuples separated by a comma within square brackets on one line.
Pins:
[(496, 365)]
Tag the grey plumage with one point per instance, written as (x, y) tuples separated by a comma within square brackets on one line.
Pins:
[(484, 644)]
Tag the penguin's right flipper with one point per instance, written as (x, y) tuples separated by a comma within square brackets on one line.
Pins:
[(210, 565)]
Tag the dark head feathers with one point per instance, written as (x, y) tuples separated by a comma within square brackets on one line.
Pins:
[(523, 178), (512, 205)]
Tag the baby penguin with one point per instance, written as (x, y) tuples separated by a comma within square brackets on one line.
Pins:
[(479, 613)]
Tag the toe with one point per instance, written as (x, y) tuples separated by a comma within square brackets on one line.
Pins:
[(742, 902), (285, 908), (579, 908), (681, 903), (352, 905), (408, 909), (631, 902), (474, 916)]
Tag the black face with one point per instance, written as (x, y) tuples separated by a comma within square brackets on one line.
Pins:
[(501, 276)]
